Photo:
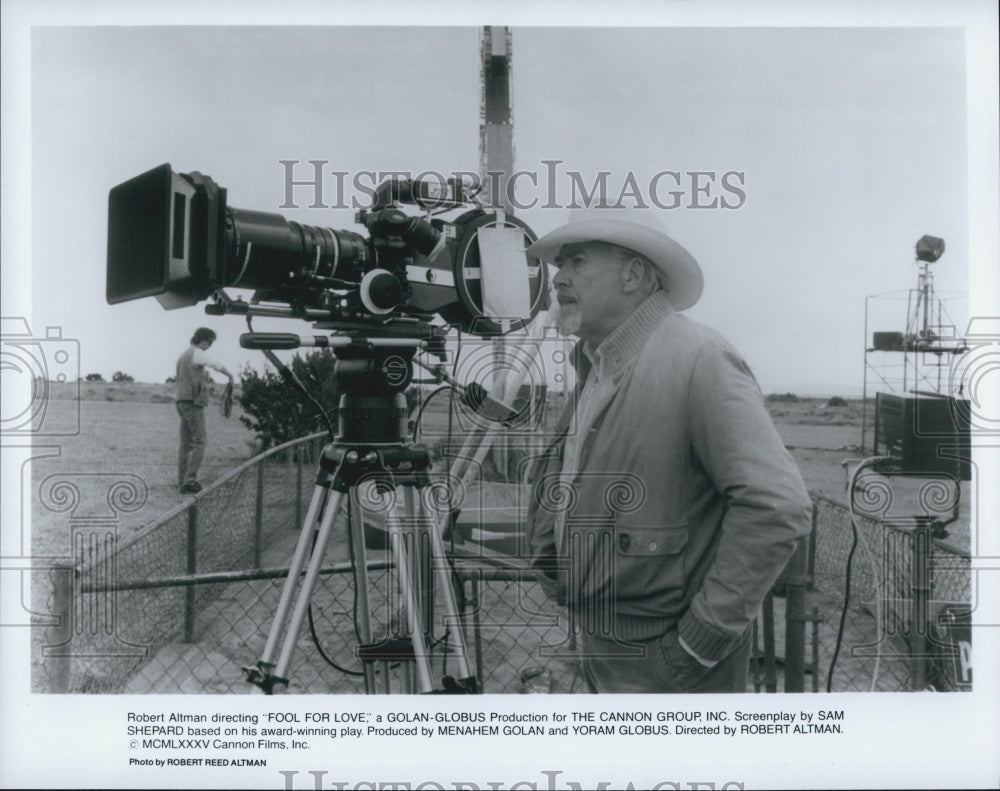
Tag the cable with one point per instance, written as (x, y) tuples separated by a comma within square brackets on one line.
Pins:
[(878, 596), (855, 536), (322, 653), (843, 612), (289, 376), (309, 611), (423, 405)]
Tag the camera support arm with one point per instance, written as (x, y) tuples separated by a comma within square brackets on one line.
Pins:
[(223, 304), (288, 340)]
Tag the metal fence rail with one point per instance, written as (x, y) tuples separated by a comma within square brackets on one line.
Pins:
[(111, 621)]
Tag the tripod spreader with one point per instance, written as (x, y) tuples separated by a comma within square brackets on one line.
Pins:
[(405, 470), (388, 466)]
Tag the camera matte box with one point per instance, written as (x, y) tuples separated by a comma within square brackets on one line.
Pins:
[(147, 243)]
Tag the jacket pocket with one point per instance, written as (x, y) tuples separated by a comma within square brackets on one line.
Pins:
[(644, 541), (649, 560)]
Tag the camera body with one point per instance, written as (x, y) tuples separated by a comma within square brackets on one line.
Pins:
[(174, 236)]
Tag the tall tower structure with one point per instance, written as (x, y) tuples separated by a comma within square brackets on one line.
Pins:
[(496, 119), (496, 160), (921, 413)]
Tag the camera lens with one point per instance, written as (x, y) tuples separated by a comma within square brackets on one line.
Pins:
[(266, 251)]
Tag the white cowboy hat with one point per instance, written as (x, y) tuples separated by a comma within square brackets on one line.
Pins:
[(635, 229)]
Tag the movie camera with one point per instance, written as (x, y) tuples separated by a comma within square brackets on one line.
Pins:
[(429, 255), (428, 252)]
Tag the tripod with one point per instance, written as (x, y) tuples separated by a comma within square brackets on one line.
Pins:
[(370, 449)]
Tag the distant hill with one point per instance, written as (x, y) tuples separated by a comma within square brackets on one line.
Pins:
[(138, 392)]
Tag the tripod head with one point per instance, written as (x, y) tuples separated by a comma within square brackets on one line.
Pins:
[(373, 406), (373, 373)]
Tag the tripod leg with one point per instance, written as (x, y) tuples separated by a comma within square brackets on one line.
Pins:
[(397, 541), (456, 637), (464, 459), (266, 662), (308, 585), (405, 629), (360, 563), (421, 560)]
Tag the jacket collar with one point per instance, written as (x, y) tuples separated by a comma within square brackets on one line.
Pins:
[(612, 354)]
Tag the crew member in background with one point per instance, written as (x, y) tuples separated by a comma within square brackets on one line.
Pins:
[(193, 392), (669, 506)]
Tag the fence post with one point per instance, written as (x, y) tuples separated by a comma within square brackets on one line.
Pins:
[(920, 590), (258, 522), (58, 664), (811, 568), (815, 649), (477, 626), (770, 661), (796, 582), (192, 568), (755, 658)]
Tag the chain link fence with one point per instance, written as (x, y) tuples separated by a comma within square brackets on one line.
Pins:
[(881, 598), (520, 639), (186, 603), (120, 602)]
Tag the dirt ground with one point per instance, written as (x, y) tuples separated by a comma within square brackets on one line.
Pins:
[(129, 431)]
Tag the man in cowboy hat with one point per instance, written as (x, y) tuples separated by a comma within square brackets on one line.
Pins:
[(669, 505)]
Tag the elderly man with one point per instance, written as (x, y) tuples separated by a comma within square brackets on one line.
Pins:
[(669, 505)]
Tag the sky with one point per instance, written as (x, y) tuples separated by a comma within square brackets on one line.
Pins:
[(850, 144)]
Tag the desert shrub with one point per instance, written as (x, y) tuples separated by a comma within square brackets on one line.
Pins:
[(836, 401), (782, 398), (94, 378), (121, 376), (171, 380), (276, 411)]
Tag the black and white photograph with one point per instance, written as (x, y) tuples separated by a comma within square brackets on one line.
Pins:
[(469, 395)]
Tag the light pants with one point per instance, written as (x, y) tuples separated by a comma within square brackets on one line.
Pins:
[(192, 441)]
